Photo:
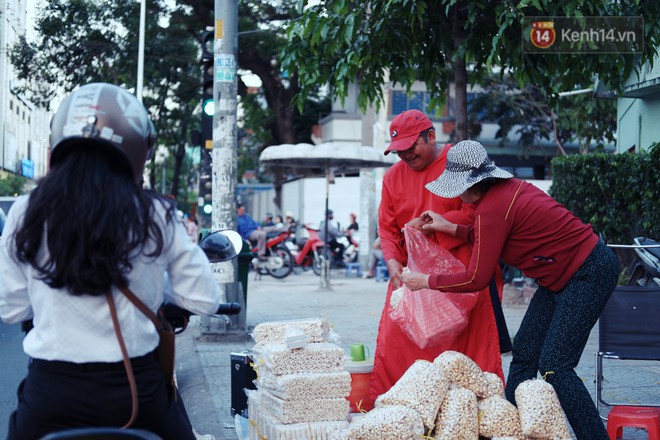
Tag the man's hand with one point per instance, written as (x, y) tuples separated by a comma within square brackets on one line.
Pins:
[(394, 268), (415, 280)]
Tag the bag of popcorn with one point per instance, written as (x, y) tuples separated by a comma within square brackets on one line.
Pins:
[(463, 371), (421, 388), (540, 412), (498, 418), (387, 423), (457, 418)]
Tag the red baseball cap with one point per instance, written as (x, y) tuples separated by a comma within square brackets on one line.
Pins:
[(405, 129)]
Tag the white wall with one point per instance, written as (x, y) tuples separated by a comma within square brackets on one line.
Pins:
[(306, 198)]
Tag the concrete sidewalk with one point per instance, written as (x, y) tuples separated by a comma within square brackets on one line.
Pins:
[(352, 307)]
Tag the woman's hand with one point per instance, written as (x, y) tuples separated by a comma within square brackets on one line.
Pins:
[(436, 222), (415, 280)]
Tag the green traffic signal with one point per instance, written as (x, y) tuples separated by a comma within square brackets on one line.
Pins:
[(208, 107)]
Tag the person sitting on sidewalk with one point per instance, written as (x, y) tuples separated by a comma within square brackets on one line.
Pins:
[(375, 255), (268, 220), (252, 232)]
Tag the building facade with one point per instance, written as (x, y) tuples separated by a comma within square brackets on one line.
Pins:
[(638, 110), (24, 128)]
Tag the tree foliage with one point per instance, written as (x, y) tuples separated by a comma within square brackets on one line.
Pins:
[(401, 41), (583, 119), (82, 41), (12, 185), (617, 193)]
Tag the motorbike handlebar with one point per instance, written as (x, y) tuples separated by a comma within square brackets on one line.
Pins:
[(179, 317), (232, 308)]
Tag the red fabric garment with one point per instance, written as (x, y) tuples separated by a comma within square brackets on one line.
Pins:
[(529, 230), (404, 198)]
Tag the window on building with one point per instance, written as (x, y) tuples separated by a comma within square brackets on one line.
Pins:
[(402, 101)]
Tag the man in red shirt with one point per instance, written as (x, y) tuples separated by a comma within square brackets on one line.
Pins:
[(576, 273), (403, 200)]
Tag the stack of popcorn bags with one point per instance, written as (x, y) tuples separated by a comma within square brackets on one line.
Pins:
[(452, 399), (301, 382)]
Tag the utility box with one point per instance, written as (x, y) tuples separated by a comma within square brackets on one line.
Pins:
[(242, 378)]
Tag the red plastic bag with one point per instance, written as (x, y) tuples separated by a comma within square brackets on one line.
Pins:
[(429, 317)]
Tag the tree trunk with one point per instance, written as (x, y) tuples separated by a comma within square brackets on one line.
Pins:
[(179, 155), (460, 72), (460, 84)]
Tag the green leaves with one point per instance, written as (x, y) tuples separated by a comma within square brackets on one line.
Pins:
[(617, 194), (416, 40)]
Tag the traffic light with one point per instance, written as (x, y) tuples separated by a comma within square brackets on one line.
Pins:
[(206, 138), (208, 104)]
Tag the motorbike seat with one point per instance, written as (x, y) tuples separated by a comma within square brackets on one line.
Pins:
[(273, 234)]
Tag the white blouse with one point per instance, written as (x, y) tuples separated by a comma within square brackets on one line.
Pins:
[(79, 328)]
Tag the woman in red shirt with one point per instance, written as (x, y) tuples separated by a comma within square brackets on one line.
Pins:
[(526, 228)]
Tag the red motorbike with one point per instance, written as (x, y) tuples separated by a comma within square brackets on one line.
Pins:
[(308, 249), (279, 261)]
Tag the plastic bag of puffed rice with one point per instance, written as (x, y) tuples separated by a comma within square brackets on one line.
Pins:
[(321, 357), (457, 418), (306, 386), (498, 418), (387, 423), (421, 388), (540, 412), (305, 410), (338, 434), (463, 371), (495, 385), (275, 332)]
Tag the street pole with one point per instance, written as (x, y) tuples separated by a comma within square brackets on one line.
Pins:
[(224, 119), (223, 155), (140, 67)]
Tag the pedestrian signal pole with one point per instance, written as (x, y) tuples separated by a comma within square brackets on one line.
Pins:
[(225, 90), (223, 147)]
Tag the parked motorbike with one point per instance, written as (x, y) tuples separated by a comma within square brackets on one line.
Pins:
[(349, 253), (279, 261), (645, 269), (308, 249)]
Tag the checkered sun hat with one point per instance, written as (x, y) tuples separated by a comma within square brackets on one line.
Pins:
[(467, 164)]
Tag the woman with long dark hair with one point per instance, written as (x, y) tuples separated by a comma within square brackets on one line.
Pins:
[(86, 230)]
